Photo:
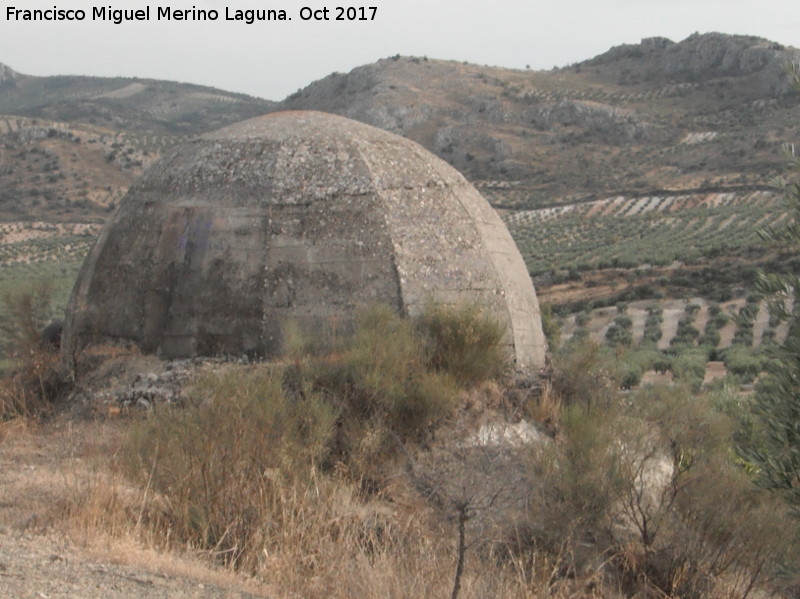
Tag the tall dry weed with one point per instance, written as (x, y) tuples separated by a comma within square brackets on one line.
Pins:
[(37, 378)]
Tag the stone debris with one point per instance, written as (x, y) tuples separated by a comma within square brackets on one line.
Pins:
[(135, 382)]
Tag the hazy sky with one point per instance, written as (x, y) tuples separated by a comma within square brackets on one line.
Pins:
[(273, 59)]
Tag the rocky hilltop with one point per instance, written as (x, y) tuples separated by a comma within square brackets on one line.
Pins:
[(630, 119), (7, 76), (709, 56)]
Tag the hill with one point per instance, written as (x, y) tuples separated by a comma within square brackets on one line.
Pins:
[(147, 106), (72, 145), (630, 172), (656, 115)]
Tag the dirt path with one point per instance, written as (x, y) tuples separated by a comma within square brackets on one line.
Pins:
[(44, 567), (41, 558)]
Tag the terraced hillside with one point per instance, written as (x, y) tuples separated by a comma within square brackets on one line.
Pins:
[(665, 332), (647, 231), (64, 172), (33, 252)]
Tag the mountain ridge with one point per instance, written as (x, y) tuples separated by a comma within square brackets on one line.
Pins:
[(709, 111), (630, 105)]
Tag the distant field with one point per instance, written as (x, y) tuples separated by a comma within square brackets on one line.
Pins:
[(37, 251), (648, 231), (673, 310)]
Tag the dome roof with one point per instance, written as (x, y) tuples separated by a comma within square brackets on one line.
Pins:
[(294, 216)]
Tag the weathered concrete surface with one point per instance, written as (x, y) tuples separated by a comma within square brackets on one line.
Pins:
[(299, 216)]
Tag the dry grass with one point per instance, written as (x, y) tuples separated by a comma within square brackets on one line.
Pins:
[(327, 540), (630, 494)]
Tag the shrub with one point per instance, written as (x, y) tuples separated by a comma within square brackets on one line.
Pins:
[(692, 309), (584, 373), (620, 332), (742, 362), (397, 379), (720, 320), (652, 335), (690, 366), (711, 338), (686, 334), (582, 319), (652, 325), (25, 311), (703, 526), (577, 480), (551, 326), (38, 378), (743, 335), (651, 488), (463, 342), (630, 376), (748, 312), (222, 460)]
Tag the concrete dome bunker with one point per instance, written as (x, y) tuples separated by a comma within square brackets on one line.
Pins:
[(294, 216)]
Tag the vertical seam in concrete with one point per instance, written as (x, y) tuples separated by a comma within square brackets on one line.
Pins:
[(363, 154), (477, 222)]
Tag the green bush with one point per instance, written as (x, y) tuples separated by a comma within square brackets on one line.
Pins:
[(620, 333), (463, 342), (584, 373), (686, 334), (396, 376), (550, 326), (630, 376), (651, 483), (711, 338), (24, 311), (743, 335), (742, 362), (690, 366), (652, 325)]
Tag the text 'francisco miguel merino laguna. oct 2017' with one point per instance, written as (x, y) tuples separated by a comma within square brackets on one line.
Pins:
[(167, 13)]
